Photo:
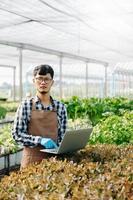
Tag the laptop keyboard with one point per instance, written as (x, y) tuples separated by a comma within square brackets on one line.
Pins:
[(53, 150)]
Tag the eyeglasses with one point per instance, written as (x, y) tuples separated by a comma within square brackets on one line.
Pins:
[(41, 79)]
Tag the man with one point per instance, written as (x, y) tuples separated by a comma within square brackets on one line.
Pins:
[(40, 121)]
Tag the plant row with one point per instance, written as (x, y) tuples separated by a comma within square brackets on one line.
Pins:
[(7, 143), (97, 172), (111, 118), (6, 107), (95, 108), (92, 108)]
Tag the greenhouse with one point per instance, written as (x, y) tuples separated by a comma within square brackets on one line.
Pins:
[(89, 46)]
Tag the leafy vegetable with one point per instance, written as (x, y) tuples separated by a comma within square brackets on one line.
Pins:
[(114, 130), (10, 106), (3, 112), (96, 109), (97, 172), (78, 123), (7, 144)]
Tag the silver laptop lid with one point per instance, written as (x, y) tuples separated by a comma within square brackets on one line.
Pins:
[(74, 140)]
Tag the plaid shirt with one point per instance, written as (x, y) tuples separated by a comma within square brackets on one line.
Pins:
[(20, 128)]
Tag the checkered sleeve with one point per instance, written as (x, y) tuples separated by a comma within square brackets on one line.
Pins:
[(62, 114), (20, 127)]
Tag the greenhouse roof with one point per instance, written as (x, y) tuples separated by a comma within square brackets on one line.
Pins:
[(100, 29)]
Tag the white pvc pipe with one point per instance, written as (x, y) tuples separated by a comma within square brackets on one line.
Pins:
[(20, 75)]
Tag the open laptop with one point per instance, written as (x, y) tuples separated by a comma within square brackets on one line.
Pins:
[(72, 141)]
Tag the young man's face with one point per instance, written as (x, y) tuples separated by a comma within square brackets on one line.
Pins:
[(43, 83)]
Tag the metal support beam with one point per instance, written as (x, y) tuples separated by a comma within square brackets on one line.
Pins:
[(113, 85), (8, 66), (14, 84), (105, 82), (51, 51), (20, 75), (86, 76), (60, 77)]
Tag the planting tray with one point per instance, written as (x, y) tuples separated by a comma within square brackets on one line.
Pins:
[(9, 161)]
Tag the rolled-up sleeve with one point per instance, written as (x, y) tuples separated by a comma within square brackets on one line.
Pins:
[(20, 126), (63, 121)]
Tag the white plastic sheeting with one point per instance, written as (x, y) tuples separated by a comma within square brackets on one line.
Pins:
[(99, 29)]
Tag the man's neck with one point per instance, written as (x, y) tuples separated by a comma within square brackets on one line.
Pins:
[(44, 98)]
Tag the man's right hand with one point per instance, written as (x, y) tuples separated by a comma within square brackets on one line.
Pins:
[(48, 143)]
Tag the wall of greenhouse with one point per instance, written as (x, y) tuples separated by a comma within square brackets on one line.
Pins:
[(72, 77), (119, 84)]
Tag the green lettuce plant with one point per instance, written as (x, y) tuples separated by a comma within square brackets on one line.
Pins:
[(114, 130)]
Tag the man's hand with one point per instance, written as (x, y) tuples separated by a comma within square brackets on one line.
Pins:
[(48, 143)]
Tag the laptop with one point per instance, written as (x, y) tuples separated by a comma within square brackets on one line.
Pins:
[(72, 141)]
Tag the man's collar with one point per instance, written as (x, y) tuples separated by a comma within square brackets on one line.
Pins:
[(37, 99)]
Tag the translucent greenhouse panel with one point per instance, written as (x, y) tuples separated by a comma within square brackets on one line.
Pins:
[(96, 87), (122, 84), (6, 82), (73, 78), (96, 82), (8, 71), (56, 86), (79, 81)]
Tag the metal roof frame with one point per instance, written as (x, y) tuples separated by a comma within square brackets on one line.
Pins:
[(24, 46)]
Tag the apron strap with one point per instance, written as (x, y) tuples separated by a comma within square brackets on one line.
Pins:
[(33, 104), (52, 103)]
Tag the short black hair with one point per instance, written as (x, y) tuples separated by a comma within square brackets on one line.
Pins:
[(43, 70)]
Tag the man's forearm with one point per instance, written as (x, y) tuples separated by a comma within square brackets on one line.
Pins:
[(25, 139)]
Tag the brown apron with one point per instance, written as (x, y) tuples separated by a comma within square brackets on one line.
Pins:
[(42, 123)]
